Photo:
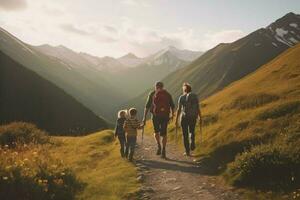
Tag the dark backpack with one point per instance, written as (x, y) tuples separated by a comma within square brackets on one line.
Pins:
[(191, 107), (161, 103)]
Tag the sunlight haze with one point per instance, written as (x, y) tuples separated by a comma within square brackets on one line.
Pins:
[(116, 27)]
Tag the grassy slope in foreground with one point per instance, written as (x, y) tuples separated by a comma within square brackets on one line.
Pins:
[(96, 161)]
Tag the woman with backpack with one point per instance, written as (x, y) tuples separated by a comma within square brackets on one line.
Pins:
[(189, 110)]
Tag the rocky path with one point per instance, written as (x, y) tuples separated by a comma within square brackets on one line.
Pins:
[(177, 177)]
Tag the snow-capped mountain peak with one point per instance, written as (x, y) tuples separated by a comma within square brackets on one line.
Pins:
[(285, 31)]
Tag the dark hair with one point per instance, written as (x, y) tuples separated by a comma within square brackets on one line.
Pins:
[(159, 84), (188, 87), (132, 111)]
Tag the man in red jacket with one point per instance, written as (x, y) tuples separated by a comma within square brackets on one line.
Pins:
[(161, 105)]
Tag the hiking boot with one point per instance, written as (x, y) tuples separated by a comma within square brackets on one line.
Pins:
[(193, 146), (186, 154), (126, 154), (163, 154), (158, 152)]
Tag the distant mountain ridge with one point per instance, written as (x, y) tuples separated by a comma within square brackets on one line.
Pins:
[(83, 82), (109, 64), (130, 60), (25, 96), (154, 68), (128, 70)]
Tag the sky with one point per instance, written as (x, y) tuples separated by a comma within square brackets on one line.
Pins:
[(143, 27)]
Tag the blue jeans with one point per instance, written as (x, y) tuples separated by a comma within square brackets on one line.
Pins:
[(188, 127), (130, 146), (122, 141)]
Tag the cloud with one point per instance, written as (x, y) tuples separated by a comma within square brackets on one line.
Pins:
[(53, 10), (225, 36), (11, 5), (145, 41), (62, 25), (106, 34), (110, 29), (142, 3), (73, 29)]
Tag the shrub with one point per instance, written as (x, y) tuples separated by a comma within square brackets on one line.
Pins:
[(267, 167), (28, 173), (240, 126), (209, 119), (21, 133), (280, 111), (225, 153), (107, 138), (253, 101)]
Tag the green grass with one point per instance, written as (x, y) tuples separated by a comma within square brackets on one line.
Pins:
[(28, 171), (96, 161), (277, 165), (36, 166)]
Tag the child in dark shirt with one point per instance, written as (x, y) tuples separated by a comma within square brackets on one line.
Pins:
[(120, 132)]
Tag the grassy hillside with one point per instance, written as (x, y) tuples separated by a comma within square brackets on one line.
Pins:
[(96, 161), (25, 96), (251, 128), (259, 104), (35, 166)]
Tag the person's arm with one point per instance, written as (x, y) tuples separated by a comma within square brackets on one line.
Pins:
[(179, 107), (116, 129), (200, 116), (199, 112), (172, 106), (146, 110), (147, 107), (125, 125), (139, 125)]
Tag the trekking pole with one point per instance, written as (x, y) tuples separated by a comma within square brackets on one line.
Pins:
[(143, 130), (201, 133), (176, 132)]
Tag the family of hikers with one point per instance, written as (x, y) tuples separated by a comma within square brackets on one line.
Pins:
[(162, 108)]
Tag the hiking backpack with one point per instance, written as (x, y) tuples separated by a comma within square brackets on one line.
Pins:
[(191, 107), (161, 103)]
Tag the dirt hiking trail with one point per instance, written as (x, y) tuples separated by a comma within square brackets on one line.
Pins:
[(177, 177)]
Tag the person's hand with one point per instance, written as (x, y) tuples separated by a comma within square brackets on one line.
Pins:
[(200, 121), (142, 125), (144, 122), (176, 123), (171, 118)]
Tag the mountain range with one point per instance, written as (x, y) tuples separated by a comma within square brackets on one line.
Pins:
[(169, 55), (26, 96), (127, 70), (83, 82)]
